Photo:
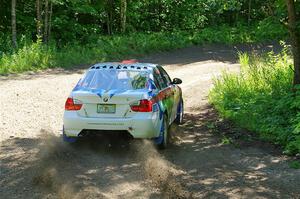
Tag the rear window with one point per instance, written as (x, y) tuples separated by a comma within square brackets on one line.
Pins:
[(114, 79)]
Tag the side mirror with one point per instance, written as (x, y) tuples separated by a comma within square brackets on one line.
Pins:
[(176, 81)]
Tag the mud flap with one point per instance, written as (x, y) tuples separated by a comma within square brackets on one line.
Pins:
[(68, 139), (179, 108), (159, 140)]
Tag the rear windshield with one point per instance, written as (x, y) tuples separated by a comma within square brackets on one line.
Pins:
[(114, 79)]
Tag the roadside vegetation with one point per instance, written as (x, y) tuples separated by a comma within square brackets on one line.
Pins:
[(40, 34), (34, 56), (262, 98)]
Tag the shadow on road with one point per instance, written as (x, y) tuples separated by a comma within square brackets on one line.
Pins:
[(98, 167), (197, 165), (211, 52), (241, 169)]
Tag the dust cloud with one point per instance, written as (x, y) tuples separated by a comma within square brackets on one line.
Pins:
[(160, 172), (55, 157)]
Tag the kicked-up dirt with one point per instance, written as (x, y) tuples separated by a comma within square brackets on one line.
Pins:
[(35, 163)]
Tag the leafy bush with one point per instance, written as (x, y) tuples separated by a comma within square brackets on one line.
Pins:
[(30, 57), (270, 29), (260, 98), (225, 34), (36, 56)]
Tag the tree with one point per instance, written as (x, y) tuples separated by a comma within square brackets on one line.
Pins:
[(123, 10), (50, 18), (295, 38), (46, 22), (13, 23), (249, 11), (110, 16), (39, 19)]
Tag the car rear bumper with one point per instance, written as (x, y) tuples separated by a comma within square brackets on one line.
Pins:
[(143, 125)]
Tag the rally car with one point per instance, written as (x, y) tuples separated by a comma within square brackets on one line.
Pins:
[(131, 97)]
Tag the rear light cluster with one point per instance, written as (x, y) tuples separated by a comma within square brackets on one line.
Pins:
[(71, 106), (142, 106)]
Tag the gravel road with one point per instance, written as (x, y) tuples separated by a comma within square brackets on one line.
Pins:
[(35, 163)]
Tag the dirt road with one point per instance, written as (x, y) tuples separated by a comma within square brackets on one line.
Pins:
[(35, 163)]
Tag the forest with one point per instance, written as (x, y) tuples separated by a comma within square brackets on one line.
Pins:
[(63, 33), (41, 34)]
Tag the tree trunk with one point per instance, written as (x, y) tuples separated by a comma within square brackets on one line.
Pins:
[(295, 39), (13, 24), (110, 8), (123, 11), (39, 19), (46, 22), (249, 11), (50, 18)]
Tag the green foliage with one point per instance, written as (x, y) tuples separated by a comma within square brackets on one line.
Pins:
[(261, 99), (226, 141), (30, 57), (295, 165), (74, 20), (240, 34), (271, 28), (35, 56), (225, 34)]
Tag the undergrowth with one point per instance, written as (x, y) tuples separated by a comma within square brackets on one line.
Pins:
[(261, 98), (32, 56)]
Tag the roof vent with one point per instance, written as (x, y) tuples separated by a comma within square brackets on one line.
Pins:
[(125, 67), (119, 67), (104, 67), (145, 67), (97, 67), (131, 66), (92, 67), (111, 67), (138, 67)]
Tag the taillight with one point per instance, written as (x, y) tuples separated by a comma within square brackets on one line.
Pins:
[(71, 106), (142, 106)]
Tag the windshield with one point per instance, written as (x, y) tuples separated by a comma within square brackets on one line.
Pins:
[(114, 79)]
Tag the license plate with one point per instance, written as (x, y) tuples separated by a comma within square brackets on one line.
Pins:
[(106, 108)]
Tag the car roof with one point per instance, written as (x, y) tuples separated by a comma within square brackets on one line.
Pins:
[(124, 66)]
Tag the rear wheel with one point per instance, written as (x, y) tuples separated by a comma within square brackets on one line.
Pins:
[(180, 111), (165, 131)]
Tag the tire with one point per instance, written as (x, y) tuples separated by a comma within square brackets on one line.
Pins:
[(164, 144), (180, 112)]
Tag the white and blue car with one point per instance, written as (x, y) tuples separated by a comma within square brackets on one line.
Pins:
[(131, 97)]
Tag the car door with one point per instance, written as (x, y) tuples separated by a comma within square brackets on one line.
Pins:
[(168, 93), (175, 92), (162, 96)]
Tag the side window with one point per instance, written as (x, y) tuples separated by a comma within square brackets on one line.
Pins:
[(156, 82), (165, 76), (158, 78)]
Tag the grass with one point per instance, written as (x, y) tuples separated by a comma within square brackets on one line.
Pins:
[(226, 141), (295, 164), (35, 56), (260, 98)]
